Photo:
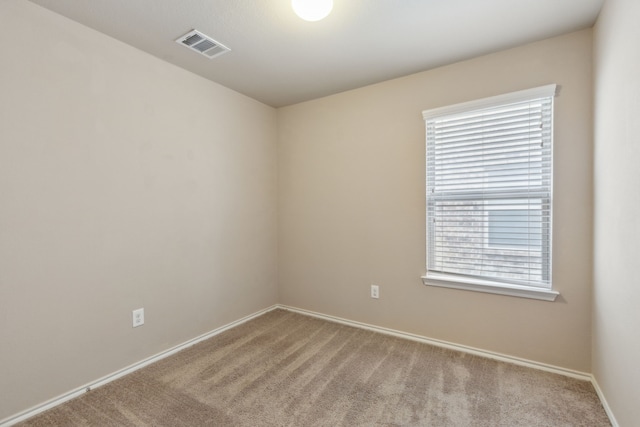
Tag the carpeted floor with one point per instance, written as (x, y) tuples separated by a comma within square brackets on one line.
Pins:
[(286, 369)]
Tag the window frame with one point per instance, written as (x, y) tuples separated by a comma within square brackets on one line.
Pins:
[(499, 285)]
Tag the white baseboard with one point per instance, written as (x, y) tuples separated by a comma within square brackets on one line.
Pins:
[(449, 345), (14, 419), (605, 404)]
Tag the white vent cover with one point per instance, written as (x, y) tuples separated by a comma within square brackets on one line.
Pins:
[(203, 44)]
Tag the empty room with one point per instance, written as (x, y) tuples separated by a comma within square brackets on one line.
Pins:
[(365, 212)]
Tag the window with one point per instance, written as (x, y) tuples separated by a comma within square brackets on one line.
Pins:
[(489, 188), (514, 227)]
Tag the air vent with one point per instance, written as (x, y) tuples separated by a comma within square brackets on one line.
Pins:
[(202, 44)]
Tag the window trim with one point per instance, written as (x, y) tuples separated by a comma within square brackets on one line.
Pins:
[(480, 284), (487, 286)]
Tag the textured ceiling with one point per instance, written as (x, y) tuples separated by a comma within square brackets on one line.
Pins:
[(279, 59)]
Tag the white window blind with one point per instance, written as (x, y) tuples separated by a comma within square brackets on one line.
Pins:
[(489, 189)]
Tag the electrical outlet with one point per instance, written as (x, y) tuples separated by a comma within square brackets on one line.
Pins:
[(375, 291), (138, 317)]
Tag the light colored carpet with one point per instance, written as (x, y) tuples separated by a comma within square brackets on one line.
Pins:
[(286, 369)]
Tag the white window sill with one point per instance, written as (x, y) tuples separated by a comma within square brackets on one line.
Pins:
[(490, 287)]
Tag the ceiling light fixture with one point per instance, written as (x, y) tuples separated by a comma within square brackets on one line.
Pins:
[(312, 10)]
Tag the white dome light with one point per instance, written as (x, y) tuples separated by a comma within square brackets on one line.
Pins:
[(312, 10)]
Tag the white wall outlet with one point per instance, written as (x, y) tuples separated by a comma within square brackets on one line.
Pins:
[(138, 317), (375, 291)]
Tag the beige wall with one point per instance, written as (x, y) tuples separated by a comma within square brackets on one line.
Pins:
[(352, 206), (616, 316), (125, 182)]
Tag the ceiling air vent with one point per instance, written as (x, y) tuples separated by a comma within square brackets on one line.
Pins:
[(200, 43)]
